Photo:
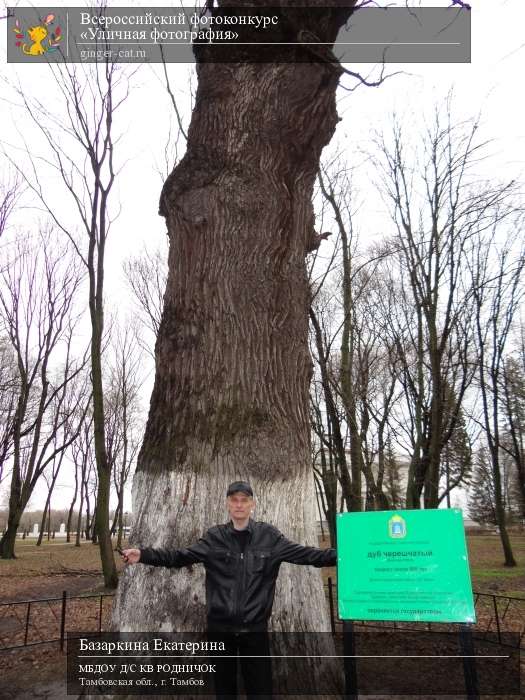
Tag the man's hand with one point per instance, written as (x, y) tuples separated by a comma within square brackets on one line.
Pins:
[(131, 556)]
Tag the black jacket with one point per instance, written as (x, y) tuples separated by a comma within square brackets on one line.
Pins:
[(240, 587)]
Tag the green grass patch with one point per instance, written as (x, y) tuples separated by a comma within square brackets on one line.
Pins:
[(504, 572)]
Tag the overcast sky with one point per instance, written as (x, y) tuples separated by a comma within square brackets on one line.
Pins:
[(492, 84)]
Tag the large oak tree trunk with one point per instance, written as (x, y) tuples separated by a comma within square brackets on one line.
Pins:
[(230, 398)]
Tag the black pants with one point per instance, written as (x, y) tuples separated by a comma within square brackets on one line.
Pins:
[(252, 650)]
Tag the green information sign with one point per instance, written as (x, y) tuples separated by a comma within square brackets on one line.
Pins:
[(403, 565)]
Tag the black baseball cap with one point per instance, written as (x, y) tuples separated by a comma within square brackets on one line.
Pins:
[(242, 486)]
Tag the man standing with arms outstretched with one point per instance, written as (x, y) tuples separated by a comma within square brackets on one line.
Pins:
[(242, 560)]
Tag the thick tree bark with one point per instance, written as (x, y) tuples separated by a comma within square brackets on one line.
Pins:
[(230, 398)]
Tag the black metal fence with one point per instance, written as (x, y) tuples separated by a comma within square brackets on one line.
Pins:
[(30, 622), (496, 614)]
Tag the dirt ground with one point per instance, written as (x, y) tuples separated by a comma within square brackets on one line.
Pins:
[(44, 572)]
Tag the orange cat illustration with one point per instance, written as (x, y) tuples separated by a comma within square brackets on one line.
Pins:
[(37, 35)]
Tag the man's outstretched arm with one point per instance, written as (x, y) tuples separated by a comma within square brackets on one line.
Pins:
[(176, 558), (294, 553)]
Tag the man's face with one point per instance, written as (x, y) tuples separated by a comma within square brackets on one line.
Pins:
[(239, 505)]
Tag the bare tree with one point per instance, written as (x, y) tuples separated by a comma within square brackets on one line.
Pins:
[(514, 416), (437, 204), (347, 371), (90, 486), (82, 451), (123, 415), (323, 461), (37, 296), (496, 266), (329, 458), (8, 397), (10, 192), (66, 415), (80, 144), (78, 459), (50, 480), (366, 366), (70, 513), (336, 442), (147, 275)]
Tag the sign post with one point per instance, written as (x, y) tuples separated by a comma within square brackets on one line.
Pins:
[(407, 566)]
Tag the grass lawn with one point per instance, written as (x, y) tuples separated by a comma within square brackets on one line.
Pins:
[(487, 569)]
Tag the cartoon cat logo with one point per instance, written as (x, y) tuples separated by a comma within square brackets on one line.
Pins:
[(38, 35)]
